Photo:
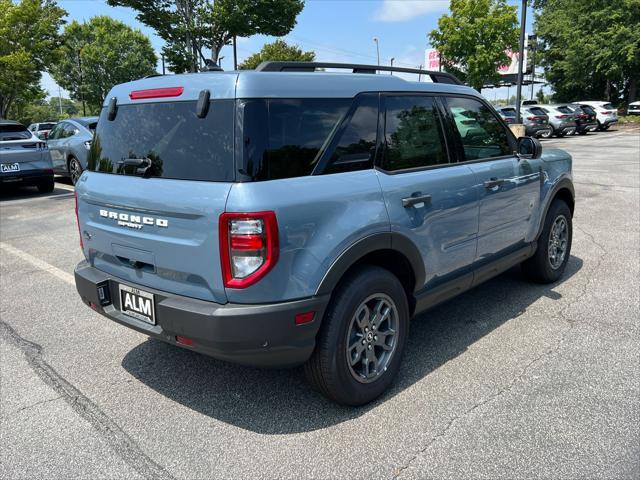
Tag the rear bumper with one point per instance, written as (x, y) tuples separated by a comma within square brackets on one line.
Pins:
[(27, 177), (537, 130), (257, 335), (587, 127)]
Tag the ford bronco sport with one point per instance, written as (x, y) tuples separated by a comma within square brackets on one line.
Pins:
[(289, 216)]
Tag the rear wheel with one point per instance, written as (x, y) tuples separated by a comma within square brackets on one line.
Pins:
[(46, 186), (75, 170), (546, 134), (554, 246), (361, 341), (582, 132)]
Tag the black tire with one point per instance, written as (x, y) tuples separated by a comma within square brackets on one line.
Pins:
[(75, 170), (605, 127), (328, 370), (582, 132), (46, 186), (562, 134), (539, 268)]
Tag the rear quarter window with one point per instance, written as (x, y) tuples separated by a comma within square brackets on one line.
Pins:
[(166, 140), (284, 138)]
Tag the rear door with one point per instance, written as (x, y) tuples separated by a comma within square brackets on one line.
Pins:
[(157, 181), (56, 136), (509, 188), (429, 200)]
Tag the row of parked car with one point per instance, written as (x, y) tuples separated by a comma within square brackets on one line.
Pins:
[(544, 121), (32, 155)]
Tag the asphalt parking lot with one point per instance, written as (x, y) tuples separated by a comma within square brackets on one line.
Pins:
[(510, 380)]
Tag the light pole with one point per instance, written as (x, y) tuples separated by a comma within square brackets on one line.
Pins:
[(392, 59), (375, 39), (523, 21)]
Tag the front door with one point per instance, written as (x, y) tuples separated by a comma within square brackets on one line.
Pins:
[(508, 188), (429, 200)]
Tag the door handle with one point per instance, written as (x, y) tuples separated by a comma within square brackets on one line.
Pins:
[(411, 201), (493, 183)]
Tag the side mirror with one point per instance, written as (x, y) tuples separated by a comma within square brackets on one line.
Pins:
[(529, 147)]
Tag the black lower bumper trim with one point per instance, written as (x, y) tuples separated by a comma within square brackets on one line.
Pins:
[(257, 335)]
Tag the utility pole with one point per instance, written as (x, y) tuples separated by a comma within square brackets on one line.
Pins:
[(163, 70), (533, 46), (420, 74), (60, 100), (523, 22), (377, 41), (392, 59), (81, 86), (235, 54)]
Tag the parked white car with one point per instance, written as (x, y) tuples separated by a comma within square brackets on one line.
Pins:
[(606, 113), (634, 108)]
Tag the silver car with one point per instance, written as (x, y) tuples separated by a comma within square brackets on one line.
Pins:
[(561, 119), (69, 143), (42, 129), (24, 159)]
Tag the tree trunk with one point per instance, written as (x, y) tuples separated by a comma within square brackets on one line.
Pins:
[(633, 89), (607, 92)]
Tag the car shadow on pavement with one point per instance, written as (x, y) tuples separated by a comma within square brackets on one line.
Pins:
[(280, 401), (14, 192)]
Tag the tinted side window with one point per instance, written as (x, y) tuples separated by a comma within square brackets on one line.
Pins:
[(481, 134), (413, 134), (284, 138), (356, 145)]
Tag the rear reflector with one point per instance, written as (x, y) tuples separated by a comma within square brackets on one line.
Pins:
[(303, 318), (184, 341), (156, 93)]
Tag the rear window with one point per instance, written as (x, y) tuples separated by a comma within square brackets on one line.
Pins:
[(588, 110), (509, 112), (14, 132), (564, 109), (537, 111), (284, 138), (608, 106), (166, 140), (46, 126)]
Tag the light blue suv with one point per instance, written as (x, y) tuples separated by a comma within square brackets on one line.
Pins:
[(288, 216)]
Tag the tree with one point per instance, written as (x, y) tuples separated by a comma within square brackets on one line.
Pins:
[(30, 43), (99, 54), (590, 49), (278, 50), (190, 26), (473, 38)]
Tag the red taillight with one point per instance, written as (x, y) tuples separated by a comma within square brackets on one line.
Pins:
[(248, 247), (562, 116), (75, 194), (156, 93), (606, 113)]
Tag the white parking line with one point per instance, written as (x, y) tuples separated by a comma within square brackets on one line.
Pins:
[(62, 186), (36, 262)]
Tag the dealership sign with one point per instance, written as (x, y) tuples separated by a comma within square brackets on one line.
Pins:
[(432, 61)]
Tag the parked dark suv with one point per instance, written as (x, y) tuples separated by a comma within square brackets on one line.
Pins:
[(289, 216)]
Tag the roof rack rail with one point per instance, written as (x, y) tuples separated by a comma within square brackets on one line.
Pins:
[(276, 66)]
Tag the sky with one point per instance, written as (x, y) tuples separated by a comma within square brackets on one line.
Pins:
[(336, 30)]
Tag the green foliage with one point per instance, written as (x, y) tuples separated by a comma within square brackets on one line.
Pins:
[(278, 50), (190, 26), (41, 110), (590, 50), (29, 44), (472, 39), (99, 54)]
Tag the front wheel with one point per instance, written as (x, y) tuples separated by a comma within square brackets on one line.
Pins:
[(360, 344), (554, 246)]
